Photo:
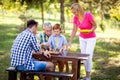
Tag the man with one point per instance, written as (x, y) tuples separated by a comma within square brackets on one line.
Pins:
[(21, 51), (47, 31)]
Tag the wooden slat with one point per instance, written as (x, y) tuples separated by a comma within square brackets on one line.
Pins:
[(56, 74)]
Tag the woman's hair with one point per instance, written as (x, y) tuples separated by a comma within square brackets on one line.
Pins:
[(77, 7), (57, 26)]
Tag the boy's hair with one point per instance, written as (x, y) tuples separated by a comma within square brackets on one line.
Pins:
[(31, 23), (57, 26), (47, 25)]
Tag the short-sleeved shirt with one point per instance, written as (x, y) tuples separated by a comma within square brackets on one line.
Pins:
[(61, 41), (43, 37), (85, 24), (21, 51)]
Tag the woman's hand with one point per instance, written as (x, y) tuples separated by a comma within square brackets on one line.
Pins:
[(68, 45)]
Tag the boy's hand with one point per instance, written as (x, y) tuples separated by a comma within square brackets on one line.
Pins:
[(68, 45), (61, 50)]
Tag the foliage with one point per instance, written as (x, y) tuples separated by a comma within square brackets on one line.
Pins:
[(115, 12)]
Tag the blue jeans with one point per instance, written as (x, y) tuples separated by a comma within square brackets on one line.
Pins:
[(38, 66)]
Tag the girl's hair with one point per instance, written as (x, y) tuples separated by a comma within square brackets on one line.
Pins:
[(77, 7), (57, 26)]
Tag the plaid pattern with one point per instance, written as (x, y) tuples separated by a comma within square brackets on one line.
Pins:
[(21, 51)]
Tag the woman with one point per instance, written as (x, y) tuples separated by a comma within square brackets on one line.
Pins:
[(85, 22)]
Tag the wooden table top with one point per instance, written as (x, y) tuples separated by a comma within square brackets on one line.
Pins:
[(78, 56)]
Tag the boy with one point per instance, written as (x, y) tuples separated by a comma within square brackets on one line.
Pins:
[(57, 42)]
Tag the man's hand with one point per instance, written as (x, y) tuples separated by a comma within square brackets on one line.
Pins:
[(47, 54), (45, 44)]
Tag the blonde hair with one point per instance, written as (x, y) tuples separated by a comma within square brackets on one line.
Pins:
[(77, 7)]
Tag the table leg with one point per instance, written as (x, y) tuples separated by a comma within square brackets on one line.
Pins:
[(79, 68), (23, 76), (75, 69), (12, 75)]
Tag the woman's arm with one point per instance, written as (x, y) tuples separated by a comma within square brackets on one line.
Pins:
[(94, 25), (74, 30)]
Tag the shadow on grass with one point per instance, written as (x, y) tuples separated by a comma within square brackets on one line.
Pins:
[(4, 63), (106, 61), (8, 33)]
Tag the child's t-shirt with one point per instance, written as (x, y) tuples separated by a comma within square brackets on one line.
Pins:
[(57, 42), (85, 24)]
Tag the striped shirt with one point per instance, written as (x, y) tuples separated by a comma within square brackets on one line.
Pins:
[(43, 37), (21, 51)]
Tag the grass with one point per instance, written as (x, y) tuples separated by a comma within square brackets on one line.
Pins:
[(106, 63)]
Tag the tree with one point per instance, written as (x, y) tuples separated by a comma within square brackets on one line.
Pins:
[(104, 6), (62, 18), (115, 12)]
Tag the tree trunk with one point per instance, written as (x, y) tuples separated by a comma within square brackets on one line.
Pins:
[(62, 18), (42, 10), (102, 15), (90, 5), (76, 1)]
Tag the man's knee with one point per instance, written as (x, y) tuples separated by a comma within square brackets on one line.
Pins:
[(50, 66)]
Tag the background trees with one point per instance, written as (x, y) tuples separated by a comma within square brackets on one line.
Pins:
[(106, 63), (103, 8)]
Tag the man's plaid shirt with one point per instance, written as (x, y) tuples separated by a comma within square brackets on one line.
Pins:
[(21, 51)]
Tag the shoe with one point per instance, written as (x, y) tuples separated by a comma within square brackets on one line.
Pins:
[(86, 78)]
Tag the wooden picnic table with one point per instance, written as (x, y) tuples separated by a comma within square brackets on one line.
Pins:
[(76, 59)]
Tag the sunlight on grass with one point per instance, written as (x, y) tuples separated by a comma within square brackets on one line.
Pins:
[(114, 61), (36, 77), (83, 73), (11, 34), (10, 20), (109, 33)]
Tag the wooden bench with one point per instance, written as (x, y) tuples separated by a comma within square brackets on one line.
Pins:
[(12, 74)]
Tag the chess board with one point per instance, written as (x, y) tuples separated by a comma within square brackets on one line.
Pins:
[(53, 52)]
